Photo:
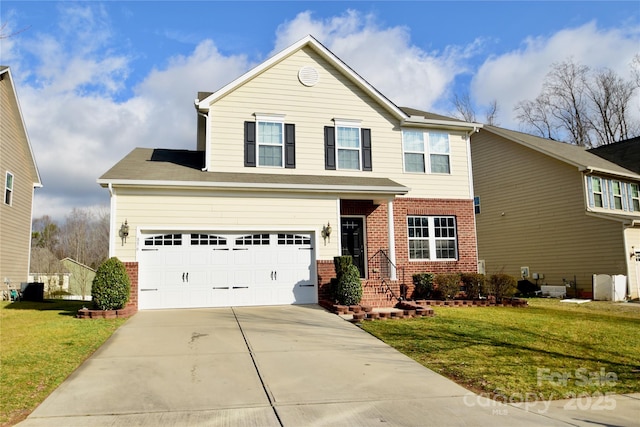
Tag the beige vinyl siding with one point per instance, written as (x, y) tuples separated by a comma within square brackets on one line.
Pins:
[(15, 220), (533, 214), (197, 210), (278, 91)]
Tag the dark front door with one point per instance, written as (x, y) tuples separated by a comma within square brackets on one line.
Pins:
[(353, 241)]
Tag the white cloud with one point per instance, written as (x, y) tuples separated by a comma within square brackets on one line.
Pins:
[(406, 74), (518, 75), (77, 125)]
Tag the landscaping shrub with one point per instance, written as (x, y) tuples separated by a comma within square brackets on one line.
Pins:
[(423, 285), (448, 284), (341, 263), (474, 285), (110, 287), (349, 291), (502, 286)]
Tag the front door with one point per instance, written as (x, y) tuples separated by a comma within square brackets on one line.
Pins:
[(353, 241)]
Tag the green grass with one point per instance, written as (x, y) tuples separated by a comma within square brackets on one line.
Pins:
[(512, 352), (40, 345)]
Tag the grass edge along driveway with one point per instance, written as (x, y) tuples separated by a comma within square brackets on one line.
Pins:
[(41, 344), (549, 350)]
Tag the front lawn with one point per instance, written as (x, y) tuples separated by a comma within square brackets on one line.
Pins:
[(40, 345), (549, 350)]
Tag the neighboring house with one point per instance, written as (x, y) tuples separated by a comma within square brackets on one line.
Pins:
[(553, 212), (81, 277), (18, 178), (624, 153), (297, 161)]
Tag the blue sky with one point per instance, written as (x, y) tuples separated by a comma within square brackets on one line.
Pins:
[(96, 79)]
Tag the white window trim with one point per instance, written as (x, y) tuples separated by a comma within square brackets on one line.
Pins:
[(426, 154), (631, 208), (269, 118), (348, 123), (594, 192), (432, 239), (8, 190), (619, 196)]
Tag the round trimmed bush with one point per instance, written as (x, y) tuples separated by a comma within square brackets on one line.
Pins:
[(111, 286), (349, 291)]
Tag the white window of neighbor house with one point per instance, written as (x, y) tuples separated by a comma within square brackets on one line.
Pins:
[(439, 152), (616, 188), (348, 146), (596, 190), (635, 197), (8, 189), (270, 141), (413, 144)]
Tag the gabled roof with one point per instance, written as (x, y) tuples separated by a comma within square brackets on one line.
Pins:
[(567, 153), (5, 73), (308, 41), (624, 153), (405, 115), (183, 168)]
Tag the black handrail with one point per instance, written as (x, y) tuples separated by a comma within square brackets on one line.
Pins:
[(381, 260)]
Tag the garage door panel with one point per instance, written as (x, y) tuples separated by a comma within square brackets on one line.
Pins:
[(226, 269)]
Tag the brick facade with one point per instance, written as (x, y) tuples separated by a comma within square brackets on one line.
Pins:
[(379, 291), (132, 271)]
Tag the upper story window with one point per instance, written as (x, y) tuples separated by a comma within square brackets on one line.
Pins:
[(613, 194), (269, 142), (426, 152), (8, 189), (635, 197), (597, 192), (347, 146)]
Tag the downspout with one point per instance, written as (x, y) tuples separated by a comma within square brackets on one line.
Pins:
[(112, 220), (471, 191), (207, 160)]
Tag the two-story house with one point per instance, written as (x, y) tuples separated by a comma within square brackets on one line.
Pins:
[(297, 161), (18, 177), (554, 213)]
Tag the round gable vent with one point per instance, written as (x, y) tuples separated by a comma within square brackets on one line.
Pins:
[(308, 76)]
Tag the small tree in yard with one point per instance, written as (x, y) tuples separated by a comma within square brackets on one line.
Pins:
[(110, 287), (349, 291), (474, 284), (502, 286), (448, 284)]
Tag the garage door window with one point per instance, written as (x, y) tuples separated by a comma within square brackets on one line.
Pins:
[(164, 240), (253, 239), (207, 240), (293, 239)]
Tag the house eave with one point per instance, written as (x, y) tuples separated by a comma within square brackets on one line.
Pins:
[(601, 171), (253, 186), (442, 124), (628, 220)]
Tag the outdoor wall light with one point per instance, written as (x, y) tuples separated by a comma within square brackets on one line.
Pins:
[(124, 232), (326, 233)]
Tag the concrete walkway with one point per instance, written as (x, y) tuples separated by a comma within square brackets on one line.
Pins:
[(277, 366)]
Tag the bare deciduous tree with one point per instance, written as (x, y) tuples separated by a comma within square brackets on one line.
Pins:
[(465, 110), (581, 106)]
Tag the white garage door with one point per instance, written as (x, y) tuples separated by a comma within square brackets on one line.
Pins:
[(183, 270)]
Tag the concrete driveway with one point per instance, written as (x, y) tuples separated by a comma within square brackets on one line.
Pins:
[(274, 366)]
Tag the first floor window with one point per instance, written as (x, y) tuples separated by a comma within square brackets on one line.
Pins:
[(8, 189), (432, 237)]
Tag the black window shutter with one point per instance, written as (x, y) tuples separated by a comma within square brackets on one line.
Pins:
[(250, 144), (366, 150), (289, 146), (329, 148)]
